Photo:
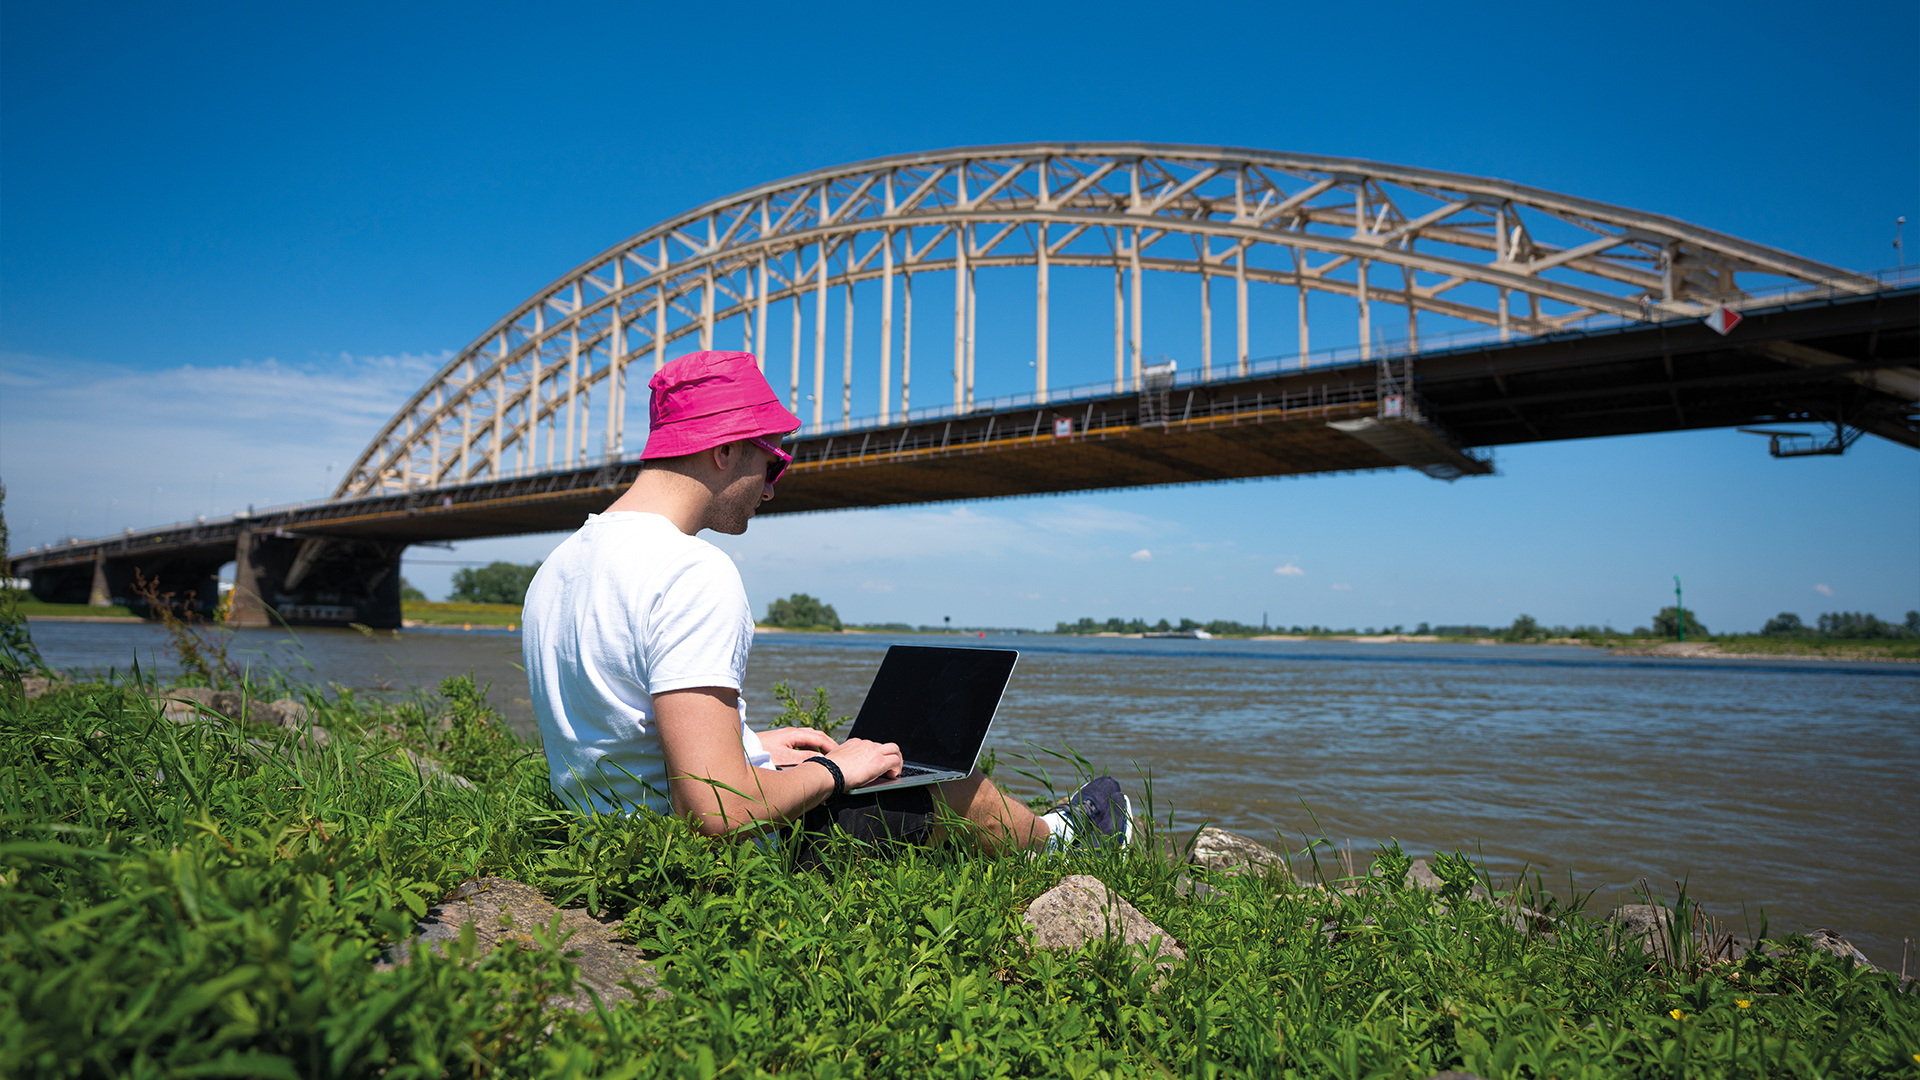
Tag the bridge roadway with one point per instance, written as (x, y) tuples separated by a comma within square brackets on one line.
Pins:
[(1847, 361)]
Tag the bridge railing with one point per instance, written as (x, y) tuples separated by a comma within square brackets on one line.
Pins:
[(915, 440), (1349, 355)]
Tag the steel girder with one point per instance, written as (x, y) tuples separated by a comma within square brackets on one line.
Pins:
[(1472, 249)]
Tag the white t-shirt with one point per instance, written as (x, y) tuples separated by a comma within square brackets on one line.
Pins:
[(626, 608)]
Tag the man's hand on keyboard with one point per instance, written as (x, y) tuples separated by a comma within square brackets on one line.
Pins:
[(793, 745)]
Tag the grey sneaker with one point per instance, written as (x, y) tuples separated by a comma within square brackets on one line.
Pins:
[(1100, 810)]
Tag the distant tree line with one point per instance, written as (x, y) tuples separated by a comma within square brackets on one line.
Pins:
[(1666, 623), (1524, 628), (494, 583), (506, 583), (802, 612), (1844, 625), (1218, 627)]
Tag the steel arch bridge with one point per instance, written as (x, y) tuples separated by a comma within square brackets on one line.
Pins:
[(545, 387)]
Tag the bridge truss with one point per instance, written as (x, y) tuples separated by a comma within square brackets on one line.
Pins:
[(545, 387)]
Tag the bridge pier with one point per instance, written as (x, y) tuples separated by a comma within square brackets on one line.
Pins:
[(101, 595), (107, 581), (315, 581)]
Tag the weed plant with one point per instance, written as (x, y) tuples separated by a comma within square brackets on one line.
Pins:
[(178, 901)]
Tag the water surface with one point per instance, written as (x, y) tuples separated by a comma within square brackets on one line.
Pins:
[(1788, 786)]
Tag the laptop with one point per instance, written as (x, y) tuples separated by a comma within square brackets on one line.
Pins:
[(938, 704)]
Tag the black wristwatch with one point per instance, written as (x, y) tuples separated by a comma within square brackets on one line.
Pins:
[(839, 778)]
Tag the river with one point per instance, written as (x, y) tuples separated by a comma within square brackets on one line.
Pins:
[(1784, 786)]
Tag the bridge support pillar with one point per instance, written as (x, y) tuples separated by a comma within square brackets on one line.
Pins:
[(100, 595), (315, 581)]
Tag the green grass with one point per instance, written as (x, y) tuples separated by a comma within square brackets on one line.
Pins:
[(176, 903), (30, 607), (455, 613), (1827, 648)]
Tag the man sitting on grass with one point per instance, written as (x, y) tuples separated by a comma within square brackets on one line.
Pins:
[(636, 640)]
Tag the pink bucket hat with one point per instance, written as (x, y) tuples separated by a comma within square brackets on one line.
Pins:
[(705, 399)]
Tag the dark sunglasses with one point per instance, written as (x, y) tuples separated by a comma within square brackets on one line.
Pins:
[(781, 459)]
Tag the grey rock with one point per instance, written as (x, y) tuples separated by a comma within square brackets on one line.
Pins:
[(190, 703), (41, 685), (506, 913), (1421, 876), (1218, 849), (1829, 942), (286, 713), (1648, 924), (1081, 910), (186, 704), (226, 704), (1524, 919), (1528, 921), (436, 772), (1640, 920)]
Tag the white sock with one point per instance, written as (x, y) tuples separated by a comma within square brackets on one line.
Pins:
[(1059, 829)]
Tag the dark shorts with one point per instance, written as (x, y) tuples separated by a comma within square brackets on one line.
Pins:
[(889, 821)]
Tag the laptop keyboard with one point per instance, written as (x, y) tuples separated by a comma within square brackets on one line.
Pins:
[(907, 771)]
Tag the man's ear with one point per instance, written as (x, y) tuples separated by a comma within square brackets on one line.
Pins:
[(722, 457)]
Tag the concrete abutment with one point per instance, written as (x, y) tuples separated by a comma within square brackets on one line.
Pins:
[(315, 581)]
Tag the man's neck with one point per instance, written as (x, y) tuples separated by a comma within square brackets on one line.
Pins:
[(680, 499)]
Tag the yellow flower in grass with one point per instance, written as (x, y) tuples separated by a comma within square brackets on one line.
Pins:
[(1742, 1002), (1677, 1015)]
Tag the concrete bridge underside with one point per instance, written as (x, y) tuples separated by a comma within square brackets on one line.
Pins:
[(1845, 362)]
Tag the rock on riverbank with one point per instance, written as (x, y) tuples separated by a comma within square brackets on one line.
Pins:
[(1082, 910), (508, 913)]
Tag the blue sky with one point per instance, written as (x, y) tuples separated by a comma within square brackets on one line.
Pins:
[(233, 238)]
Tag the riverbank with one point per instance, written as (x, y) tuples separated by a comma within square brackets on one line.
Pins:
[(38, 611), (1764, 648), (1732, 647), (422, 613), (192, 896)]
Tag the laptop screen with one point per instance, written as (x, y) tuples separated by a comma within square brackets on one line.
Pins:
[(937, 703)]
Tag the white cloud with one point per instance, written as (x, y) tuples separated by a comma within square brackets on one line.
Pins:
[(1823, 590), (1342, 588), (1289, 570), (876, 586), (1084, 519), (145, 445), (1143, 555)]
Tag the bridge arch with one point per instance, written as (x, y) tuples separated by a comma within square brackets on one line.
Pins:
[(1514, 259)]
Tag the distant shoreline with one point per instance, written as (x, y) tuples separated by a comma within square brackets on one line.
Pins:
[(1678, 650)]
